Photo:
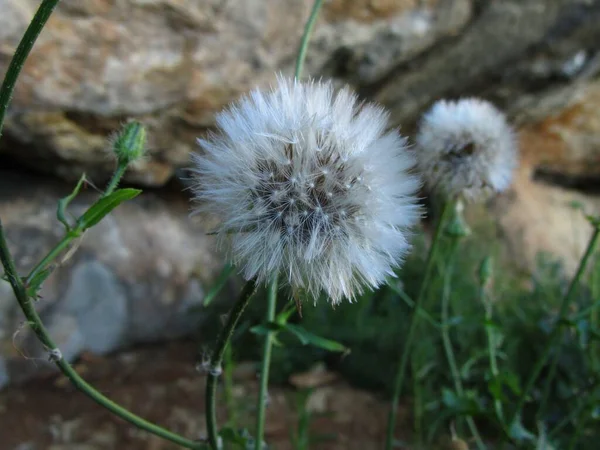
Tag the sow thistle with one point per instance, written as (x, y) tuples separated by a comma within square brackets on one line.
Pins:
[(466, 148), (310, 186)]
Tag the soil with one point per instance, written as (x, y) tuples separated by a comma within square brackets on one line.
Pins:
[(161, 384)]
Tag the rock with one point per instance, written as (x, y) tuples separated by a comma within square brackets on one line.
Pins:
[(172, 64), (535, 218), (138, 276)]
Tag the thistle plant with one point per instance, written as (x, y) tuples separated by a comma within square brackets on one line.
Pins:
[(316, 192)]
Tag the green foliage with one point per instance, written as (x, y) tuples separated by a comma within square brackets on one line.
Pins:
[(524, 310)]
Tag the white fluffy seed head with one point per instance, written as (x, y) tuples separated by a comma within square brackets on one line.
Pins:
[(466, 148), (308, 184)]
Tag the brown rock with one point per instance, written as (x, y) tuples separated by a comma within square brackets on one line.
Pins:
[(172, 64)]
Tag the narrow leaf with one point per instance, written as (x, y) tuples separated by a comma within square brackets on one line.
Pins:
[(61, 210), (104, 206), (306, 337), (219, 284)]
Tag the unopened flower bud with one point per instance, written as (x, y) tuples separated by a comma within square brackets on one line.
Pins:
[(129, 144)]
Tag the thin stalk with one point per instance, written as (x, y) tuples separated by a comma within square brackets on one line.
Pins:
[(228, 367), (21, 53), (74, 233), (217, 359), (310, 24), (40, 331), (448, 350), (114, 181), (555, 334), (51, 256), (491, 338), (401, 372), (578, 430), (266, 362)]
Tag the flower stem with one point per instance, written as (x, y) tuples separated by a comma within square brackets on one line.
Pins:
[(72, 234), (306, 37), (458, 386), (555, 334), (22, 52), (114, 181), (491, 337), (266, 362), (401, 373), (40, 331), (217, 359)]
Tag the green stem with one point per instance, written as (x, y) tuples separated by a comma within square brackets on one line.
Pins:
[(491, 338), (401, 372), (578, 430), (217, 359), (72, 234), (114, 181), (458, 386), (23, 49), (51, 256), (228, 387), (310, 24), (555, 334), (266, 362), (40, 331)]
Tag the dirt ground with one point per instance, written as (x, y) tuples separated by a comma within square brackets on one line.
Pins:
[(160, 384)]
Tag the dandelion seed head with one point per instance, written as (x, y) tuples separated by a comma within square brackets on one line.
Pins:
[(286, 173), (466, 148)]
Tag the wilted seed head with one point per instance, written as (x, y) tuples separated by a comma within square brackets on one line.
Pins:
[(308, 184), (466, 148)]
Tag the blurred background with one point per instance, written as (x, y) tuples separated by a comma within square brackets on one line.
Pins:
[(128, 304)]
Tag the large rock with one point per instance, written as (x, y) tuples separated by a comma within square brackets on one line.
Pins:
[(174, 63), (138, 276)]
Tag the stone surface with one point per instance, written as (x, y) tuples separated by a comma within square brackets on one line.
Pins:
[(173, 63), (138, 276)]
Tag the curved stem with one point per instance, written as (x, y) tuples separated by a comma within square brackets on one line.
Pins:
[(217, 359), (266, 361), (40, 331), (458, 386), (51, 256), (21, 53), (555, 334), (401, 372), (310, 24)]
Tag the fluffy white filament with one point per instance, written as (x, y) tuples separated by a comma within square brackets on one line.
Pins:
[(466, 148), (308, 184)]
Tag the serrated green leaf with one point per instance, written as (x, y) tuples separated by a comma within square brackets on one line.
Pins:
[(61, 209), (306, 337), (104, 206), (219, 284)]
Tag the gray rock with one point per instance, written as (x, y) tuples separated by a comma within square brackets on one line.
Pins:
[(139, 276)]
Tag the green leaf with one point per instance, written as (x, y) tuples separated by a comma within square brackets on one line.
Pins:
[(306, 337), (104, 206), (266, 328), (519, 433), (36, 283), (61, 210), (240, 438), (219, 284)]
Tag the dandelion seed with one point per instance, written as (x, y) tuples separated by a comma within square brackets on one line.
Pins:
[(344, 236), (466, 148)]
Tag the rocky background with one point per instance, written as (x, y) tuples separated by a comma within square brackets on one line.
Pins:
[(141, 275)]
